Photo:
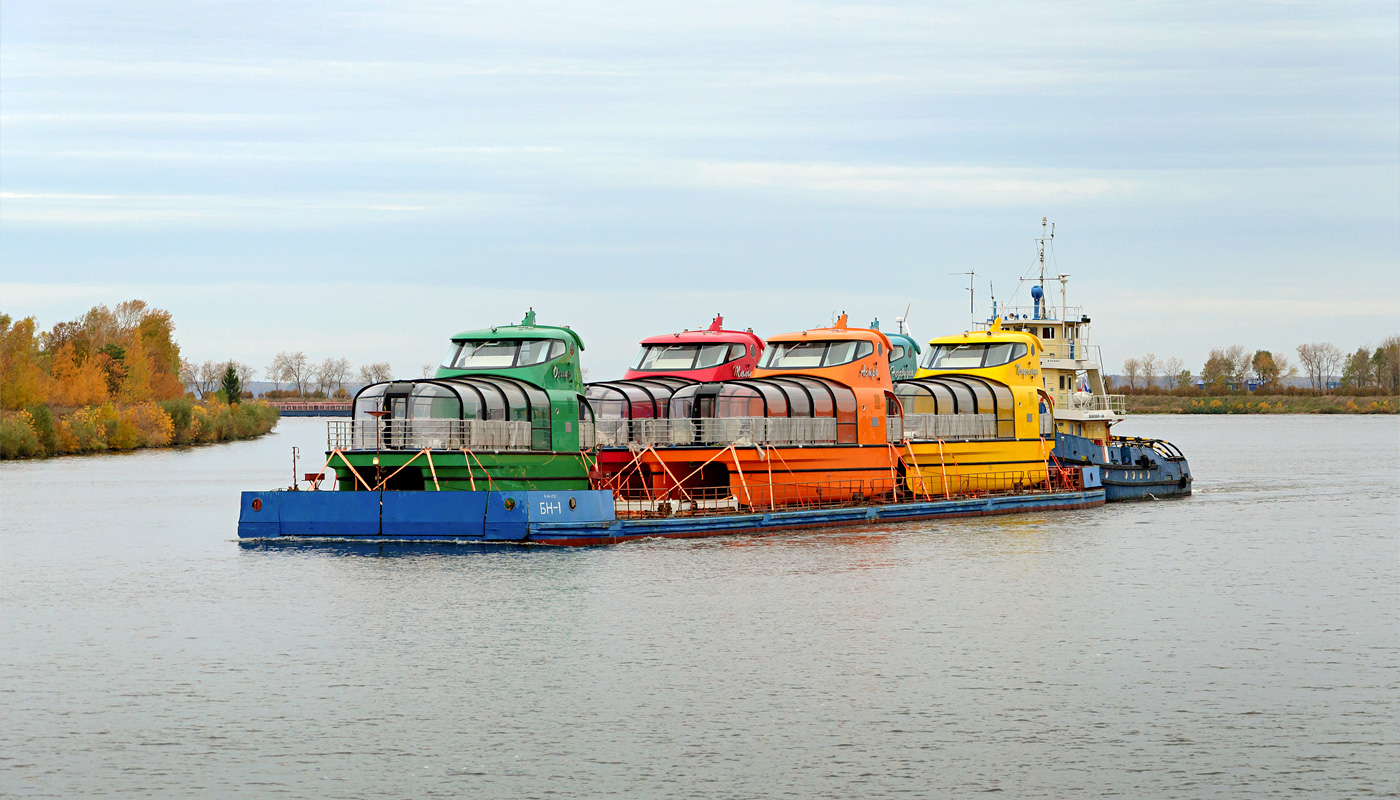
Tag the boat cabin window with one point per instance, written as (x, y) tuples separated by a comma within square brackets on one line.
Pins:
[(808, 355), (896, 352), (973, 356), (503, 353), (685, 356), (1047, 333)]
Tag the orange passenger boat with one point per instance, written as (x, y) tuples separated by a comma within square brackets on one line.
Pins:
[(811, 425)]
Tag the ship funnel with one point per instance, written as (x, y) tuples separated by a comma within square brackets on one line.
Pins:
[(1037, 294)]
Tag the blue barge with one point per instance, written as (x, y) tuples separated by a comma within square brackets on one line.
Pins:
[(586, 517)]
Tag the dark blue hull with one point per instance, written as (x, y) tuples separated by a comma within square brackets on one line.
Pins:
[(577, 518), (1133, 469)]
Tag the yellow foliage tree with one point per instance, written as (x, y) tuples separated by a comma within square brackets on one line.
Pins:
[(22, 380), (136, 387), (75, 383)]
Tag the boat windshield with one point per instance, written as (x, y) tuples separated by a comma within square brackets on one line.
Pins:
[(809, 355), (503, 353), (973, 356), (685, 356)]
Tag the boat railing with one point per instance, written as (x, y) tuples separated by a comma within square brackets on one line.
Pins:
[(431, 434), (1084, 401), (949, 427), (587, 435), (722, 431), (1047, 424), (753, 495), (1049, 312)]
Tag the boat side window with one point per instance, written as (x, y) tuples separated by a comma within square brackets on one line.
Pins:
[(896, 352), (998, 354), (841, 353), (370, 399), (711, 355), (864, 349), (1048, 333), (737, 351), (451, 357), (538, 351)]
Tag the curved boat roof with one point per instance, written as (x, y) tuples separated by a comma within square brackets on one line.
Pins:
[(715, 333), (527, 329)]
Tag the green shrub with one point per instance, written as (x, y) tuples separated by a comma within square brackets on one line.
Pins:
[(181, 410), (18, 438), (44, 428)]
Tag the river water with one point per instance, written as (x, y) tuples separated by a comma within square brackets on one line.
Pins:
[(1240, 643)]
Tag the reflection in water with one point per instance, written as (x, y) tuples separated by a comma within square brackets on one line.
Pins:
[(1215, 646)]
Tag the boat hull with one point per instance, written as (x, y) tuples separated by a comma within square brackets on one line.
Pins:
[(564, 518), (1133, 469)]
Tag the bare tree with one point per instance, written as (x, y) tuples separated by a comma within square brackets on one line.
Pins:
[(377, 372), (245, 371), (323, 374), (188, 373), (277, 370), (340, 370), (1173, 368), (298, 370), (1239, 359), (210, 375), (1319, 360), (1151, 368), (1332, 358), (1132, 370)]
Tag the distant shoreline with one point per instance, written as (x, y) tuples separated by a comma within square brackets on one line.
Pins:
[(1260, 404)]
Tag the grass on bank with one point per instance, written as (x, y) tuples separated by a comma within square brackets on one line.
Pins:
[(38, 431), (1256, 404)]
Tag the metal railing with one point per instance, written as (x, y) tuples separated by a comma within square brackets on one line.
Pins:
[(1083, 401), (587, 435), (949, 427), (432, 434), (712, 500), (723, 431), (1047, 424)]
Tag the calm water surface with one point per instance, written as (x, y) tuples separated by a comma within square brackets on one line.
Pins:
[(1239, 643)]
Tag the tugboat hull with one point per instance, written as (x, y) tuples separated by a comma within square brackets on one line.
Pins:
[(1133, 469)]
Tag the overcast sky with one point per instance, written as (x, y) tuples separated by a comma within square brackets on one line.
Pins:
[(366, 179)]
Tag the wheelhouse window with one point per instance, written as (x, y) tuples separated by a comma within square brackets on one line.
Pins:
[(657, 357), (810, 355), (973, 356), (503, 353)]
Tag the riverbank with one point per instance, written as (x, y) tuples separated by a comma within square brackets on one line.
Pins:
[(1259, 404), (43, 431)]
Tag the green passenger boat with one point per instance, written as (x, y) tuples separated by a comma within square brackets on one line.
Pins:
[(503, 413)]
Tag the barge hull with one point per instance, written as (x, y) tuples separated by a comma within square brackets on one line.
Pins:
[(577, 518)]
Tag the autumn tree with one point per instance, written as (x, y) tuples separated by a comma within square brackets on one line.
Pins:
[(1217, 370), (1385, 365), (1263, 368), (22, 380), (1356, 369), (1174, 368)]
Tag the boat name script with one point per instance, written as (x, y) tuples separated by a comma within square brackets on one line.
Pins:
[(901, 374), (870, 372), (741, 371), (563, 374), (1026, 372)]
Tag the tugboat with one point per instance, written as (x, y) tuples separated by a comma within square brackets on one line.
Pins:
[(1084, 411)]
